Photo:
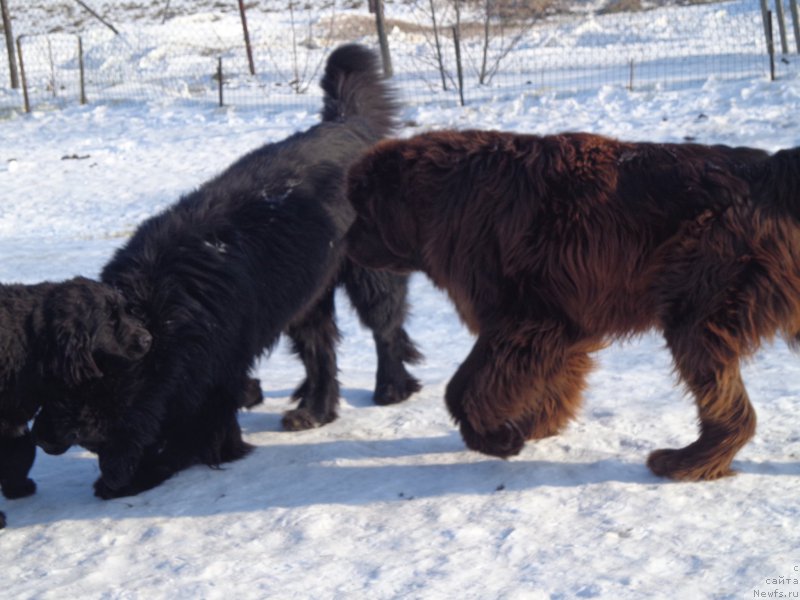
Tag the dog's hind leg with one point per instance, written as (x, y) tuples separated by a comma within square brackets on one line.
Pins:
[(517, 383), (379, 298), (707, 360), (314, 338)]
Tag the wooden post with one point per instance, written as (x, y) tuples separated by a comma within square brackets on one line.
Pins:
[(165, 13), (22, 75), (485, 48), (457, 41), (247, 38), (82, 70), (630, 77), (795, 23), (765, 16), (97, 16), (770, 47), (12, 58), (438, 45), (781, 26), (383, 41)]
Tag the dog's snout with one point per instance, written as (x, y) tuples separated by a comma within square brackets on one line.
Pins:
[(56, 447), (144, 340)]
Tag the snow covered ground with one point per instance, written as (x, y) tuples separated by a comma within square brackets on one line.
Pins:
[(386, 502), (577, 45)]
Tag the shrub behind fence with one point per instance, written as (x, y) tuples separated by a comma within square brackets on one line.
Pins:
[(505, 49)]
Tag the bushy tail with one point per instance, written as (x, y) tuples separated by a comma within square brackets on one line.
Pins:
[(354, 87)]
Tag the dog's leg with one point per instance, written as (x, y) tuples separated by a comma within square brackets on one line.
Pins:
[(561, 394), (517, 383), (314, 340), (138, 430), (213, 435), (709, 366), (17, 453), (380, 301)]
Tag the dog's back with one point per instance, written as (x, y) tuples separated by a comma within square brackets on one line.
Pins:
[(17, 304)]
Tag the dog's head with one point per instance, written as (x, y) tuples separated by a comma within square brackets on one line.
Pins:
[(384, 234), (90, 332), (87, 327)]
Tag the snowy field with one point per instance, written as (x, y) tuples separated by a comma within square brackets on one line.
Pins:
[(386, 502)]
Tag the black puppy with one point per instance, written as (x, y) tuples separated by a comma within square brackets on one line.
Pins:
[(53, 337), (256, 251)]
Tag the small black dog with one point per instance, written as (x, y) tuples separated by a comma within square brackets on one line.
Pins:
[(218, 277), (53, 337)]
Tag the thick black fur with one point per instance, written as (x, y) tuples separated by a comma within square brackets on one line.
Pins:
[(254, 252), (53, 337)]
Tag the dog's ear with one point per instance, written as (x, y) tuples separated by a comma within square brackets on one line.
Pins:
[(396, 222), (380, 196), (70, 349)]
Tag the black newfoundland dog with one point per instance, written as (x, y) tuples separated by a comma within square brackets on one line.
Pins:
[(53, 337), (551, 246), (217, 277)]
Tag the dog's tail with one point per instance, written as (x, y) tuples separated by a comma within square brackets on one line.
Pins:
[(355, 88), (780, 183)]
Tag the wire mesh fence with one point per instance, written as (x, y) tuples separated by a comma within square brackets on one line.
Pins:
[(505, 47)]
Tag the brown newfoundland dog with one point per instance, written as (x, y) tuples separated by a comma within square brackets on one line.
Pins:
[(552, 246)]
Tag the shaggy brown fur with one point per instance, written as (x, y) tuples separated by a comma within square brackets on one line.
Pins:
[(552, 246)]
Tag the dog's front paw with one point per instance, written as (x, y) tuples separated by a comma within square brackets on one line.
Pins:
[(104, 492), (18, 488), (683, 465), (504, 442), (394, 393), (117, 469), (101, 490), (301, 419)]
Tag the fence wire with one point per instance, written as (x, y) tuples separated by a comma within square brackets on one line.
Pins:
[(506, 46)]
